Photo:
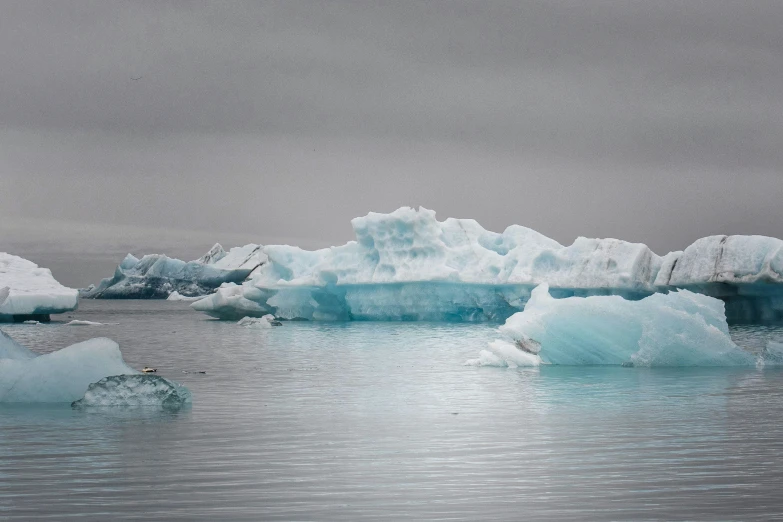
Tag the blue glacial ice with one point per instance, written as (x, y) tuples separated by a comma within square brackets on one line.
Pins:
[(157, 276), (65, 375), (407, 265), (135, 391), (61, 376), (28, 292), (680, 328)]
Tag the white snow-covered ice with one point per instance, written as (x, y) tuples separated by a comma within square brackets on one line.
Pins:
[(746, 272), (157, 276), (263, 323), (407, 265), (30, 292), (176, 296), (676, 329)]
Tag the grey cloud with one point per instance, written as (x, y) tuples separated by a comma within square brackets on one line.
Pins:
[(650, 121)]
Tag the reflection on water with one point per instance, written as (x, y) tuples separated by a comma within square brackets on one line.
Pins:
[(383, 421)]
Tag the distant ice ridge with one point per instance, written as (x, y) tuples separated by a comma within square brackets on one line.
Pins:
[(28, 292), (676, 329), (407, 265), (157, 276), (135, 391)]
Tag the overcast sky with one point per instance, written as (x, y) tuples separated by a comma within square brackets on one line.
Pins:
[(657, 122)]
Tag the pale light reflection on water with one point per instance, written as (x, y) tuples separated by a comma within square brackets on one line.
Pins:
[(382, 421)]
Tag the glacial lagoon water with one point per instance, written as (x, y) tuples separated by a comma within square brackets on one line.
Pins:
[(382, 421)]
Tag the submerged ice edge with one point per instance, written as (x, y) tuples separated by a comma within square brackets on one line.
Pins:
[(679, 329)]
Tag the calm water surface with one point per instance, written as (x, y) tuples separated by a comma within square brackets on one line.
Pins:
[(381, 421)]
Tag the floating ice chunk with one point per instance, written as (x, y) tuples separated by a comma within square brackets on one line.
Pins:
[(80, 322), (61, 376), (772, 354), (264, 322), (229, 302), (135, 391), (176, 296), (501, 352), (157, 276), (675, 329), (27, 291)]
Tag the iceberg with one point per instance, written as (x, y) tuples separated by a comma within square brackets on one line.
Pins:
[(135, 391), (89, 373), (61, 376), (156, 276), (680, 328), (409, 266), (28, 292)]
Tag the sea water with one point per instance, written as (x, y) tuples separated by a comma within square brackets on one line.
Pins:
[(383, 421)]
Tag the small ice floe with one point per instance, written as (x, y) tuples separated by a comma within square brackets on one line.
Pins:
[(202, 372), (135, 391), (31, 322), (80, 322), (176, 296), (267, 321)]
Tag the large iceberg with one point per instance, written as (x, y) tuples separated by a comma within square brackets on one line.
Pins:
[(676, 329), (407, 265), (157, 276), (28, 292)]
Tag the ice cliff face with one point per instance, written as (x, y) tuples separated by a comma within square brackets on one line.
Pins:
[(746, 272), (156, 276), (30, 292)]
